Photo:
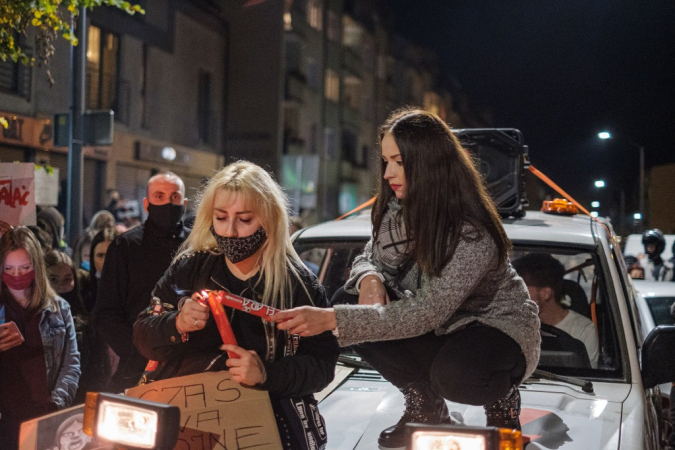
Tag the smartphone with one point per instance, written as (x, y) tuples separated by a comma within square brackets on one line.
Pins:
[(9, 328)]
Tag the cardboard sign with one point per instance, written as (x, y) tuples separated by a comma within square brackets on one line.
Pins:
[(59, 430), (216, 412), (17, 193), (46, 186)]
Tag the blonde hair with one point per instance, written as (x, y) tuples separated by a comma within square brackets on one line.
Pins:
[(265, 198), (21, 238)]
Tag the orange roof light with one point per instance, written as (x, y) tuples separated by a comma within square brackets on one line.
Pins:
[(559, 206)]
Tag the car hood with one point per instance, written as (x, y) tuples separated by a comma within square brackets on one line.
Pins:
[(554, 415)]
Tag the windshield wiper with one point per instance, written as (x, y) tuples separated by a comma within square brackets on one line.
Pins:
[(585, 385), (352, 362)]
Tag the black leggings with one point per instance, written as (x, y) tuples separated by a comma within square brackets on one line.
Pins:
[(476, 365)]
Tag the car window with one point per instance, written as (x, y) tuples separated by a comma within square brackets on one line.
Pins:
[(584, 341), (585, 294), (660, 309), (333, 258)]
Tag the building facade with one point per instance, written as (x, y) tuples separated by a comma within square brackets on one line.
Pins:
[(297, 86)]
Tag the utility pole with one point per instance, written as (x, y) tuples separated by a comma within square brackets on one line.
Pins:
[(78, 64), (642, 186)]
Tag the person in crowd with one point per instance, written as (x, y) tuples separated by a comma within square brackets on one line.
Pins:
[(64, 279), (98, 251), (433, 301), (635, 270), (82, 248), (43, 238), (240, 243), (543, 275), (656, 269), (135, 261), (39, 364), (53, 222), (95, 364)]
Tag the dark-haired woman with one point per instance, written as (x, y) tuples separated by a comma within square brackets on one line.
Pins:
[(433, 301)]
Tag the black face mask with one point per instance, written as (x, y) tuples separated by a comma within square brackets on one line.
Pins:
[(238, 249), (166, 216)]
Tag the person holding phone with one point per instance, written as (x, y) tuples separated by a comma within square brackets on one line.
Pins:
[(39, 359)]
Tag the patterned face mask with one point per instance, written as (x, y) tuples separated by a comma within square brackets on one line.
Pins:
[(238, 249)]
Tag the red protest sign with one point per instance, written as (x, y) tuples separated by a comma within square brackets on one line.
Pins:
[(17, 193)]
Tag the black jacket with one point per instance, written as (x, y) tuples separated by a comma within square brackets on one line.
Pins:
[(310, 368), (135, 261)]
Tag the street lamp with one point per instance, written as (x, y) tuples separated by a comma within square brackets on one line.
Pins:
[(600, 184), (595, 204), (607, 135)]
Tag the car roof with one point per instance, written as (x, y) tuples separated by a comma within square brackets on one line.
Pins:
[(535, 227), (654, 288)]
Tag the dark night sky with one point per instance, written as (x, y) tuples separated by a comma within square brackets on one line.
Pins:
[(562, 71)]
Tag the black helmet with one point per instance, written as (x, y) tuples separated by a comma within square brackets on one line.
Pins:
[(655, 237)]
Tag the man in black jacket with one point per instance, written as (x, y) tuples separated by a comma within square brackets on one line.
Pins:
[(135, 261)]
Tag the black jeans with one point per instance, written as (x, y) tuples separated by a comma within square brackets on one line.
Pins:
[(476, 365)]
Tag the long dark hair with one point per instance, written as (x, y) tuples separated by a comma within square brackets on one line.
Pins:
[(443, 192)]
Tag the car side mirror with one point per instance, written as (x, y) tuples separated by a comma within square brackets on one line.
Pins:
[(658, 364)]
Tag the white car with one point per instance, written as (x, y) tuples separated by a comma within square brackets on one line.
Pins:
[(566, 403), (654, 302)]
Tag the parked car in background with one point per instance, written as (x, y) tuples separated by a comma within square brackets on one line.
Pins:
[(567, 404), (654, 302)]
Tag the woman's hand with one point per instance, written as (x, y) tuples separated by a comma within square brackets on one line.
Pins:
[(372, 291), (306, 320), (9, 340), (193, 315), (248, 369)]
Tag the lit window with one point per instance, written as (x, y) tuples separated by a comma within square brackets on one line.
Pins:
[(94, 45), (332, 90), (314, 14)]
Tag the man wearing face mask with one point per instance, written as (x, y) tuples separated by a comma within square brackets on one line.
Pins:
[(135, 261)]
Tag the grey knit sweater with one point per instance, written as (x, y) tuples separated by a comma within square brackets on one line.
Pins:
[(469, 289)]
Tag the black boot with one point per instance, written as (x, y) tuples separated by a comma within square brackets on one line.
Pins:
[(422, 405), (505, 412)]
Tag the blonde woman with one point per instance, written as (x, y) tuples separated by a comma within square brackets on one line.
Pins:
[(39, 363), (240, 242)]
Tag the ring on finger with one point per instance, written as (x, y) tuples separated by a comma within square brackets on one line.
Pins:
[(195, 323)]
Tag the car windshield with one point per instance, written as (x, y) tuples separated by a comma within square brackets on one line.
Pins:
[(587, 348)]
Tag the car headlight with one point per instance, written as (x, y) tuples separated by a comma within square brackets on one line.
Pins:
[(131, 422), (452, 437)]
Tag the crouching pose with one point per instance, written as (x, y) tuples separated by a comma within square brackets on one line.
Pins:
[(433, 301)]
